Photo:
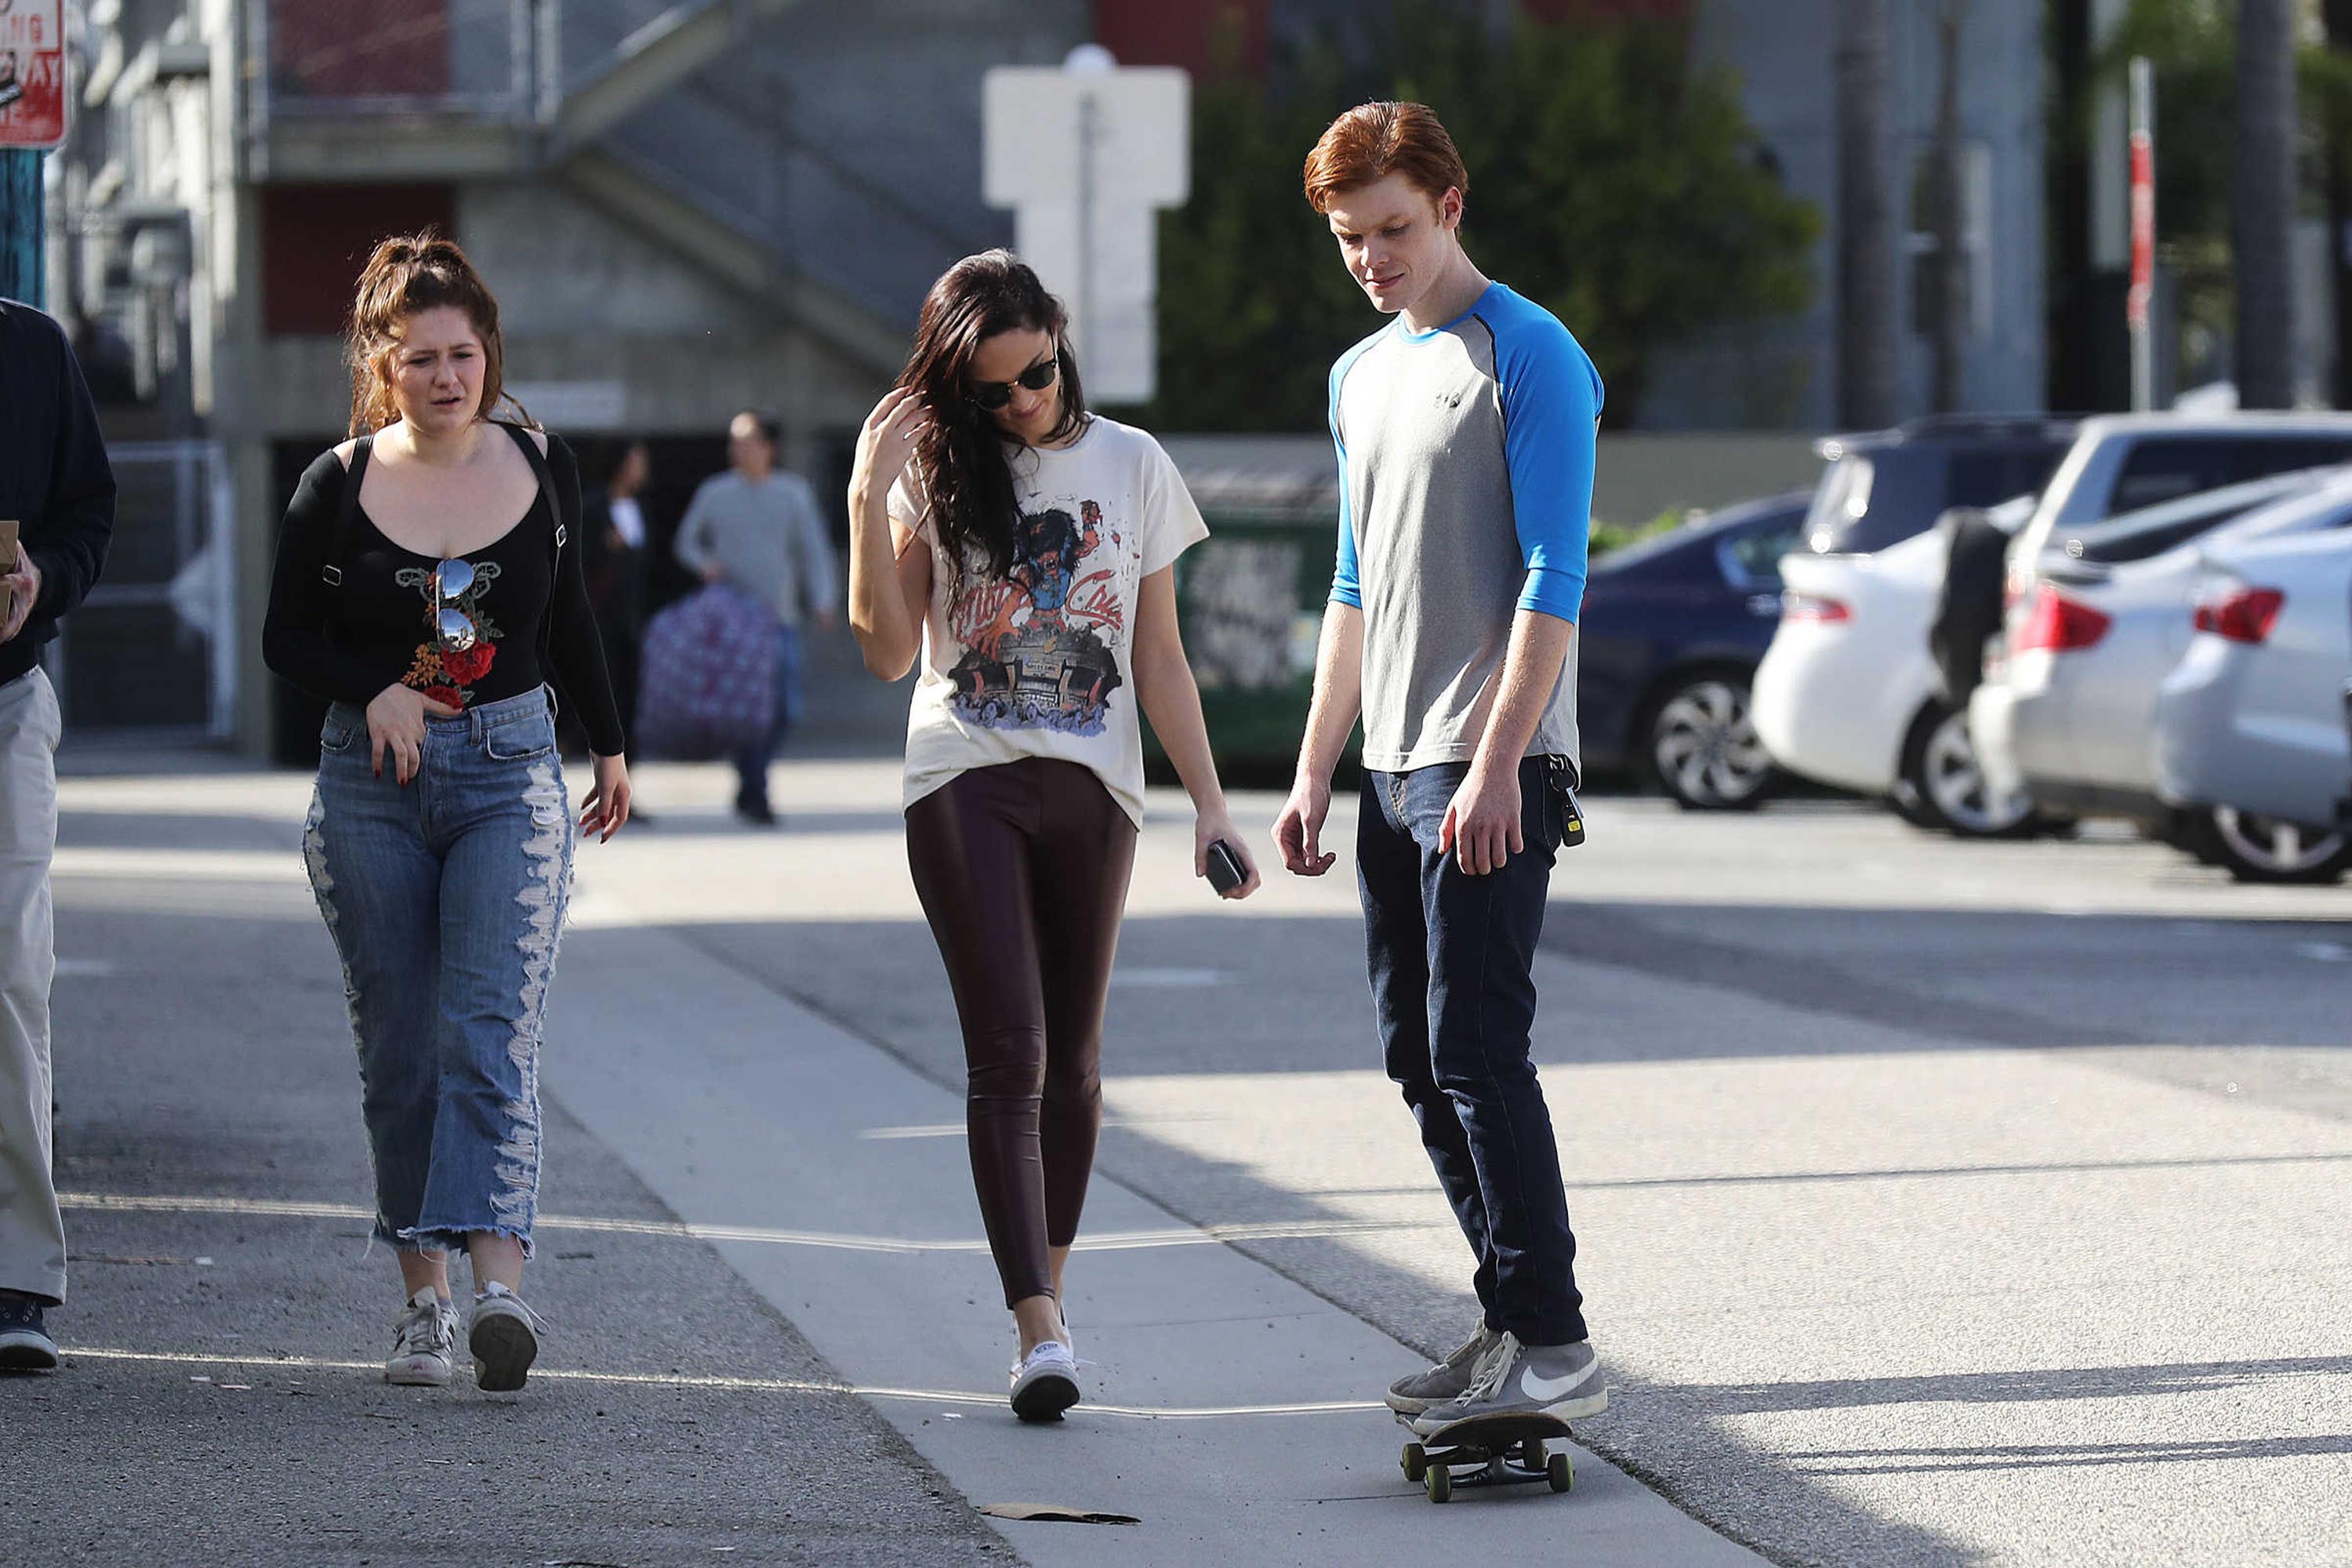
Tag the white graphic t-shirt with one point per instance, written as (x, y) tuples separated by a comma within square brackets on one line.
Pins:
[(1037, 663)]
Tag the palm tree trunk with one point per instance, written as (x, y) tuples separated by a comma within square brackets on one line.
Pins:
[(1866, 247), (1953, 306), (2264, 203)]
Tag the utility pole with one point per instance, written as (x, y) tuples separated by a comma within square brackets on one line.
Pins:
[(2338, 17), (2143, 234), (22, 236), (1866, 335), (33, 105), (1949, 218)]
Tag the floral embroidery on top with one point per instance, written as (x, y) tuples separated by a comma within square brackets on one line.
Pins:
[(447, 675)]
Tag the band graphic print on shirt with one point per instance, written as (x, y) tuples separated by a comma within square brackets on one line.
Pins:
[(1034, 649)]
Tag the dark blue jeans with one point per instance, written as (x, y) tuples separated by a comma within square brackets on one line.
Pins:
[(1452, 959)]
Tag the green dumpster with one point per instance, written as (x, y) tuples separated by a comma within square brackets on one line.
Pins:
[(1250, 595)]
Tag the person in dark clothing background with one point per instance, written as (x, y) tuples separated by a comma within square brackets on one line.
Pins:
[(57, 486), (614, 555)]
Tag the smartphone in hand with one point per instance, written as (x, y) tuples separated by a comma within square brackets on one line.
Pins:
[(1225, 872)]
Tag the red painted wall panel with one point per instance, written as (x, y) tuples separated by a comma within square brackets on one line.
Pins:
[(315, 239)]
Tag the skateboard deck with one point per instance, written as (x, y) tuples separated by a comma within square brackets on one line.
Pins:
[(1495, 1450)]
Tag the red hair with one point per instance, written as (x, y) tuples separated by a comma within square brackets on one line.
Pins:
[(1373, 140)]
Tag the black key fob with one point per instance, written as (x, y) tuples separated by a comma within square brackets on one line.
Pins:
[(1571, 815)]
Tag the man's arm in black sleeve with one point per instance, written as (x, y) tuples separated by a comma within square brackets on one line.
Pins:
[(69, 544)]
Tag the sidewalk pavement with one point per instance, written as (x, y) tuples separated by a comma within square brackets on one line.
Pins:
[(775, 1337), (1940, 1205)]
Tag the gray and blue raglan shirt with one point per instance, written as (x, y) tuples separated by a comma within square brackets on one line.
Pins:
[(1465, 495)]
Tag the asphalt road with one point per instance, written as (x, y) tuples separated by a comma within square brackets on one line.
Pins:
[(1939, 1203)]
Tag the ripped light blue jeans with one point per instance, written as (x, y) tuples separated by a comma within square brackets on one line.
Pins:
[(445, 900)]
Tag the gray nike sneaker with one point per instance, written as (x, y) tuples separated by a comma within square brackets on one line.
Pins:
[(1449, 1379), (1511, 1379)]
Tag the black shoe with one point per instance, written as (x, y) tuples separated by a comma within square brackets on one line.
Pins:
[(24, 1343), (756, 812)]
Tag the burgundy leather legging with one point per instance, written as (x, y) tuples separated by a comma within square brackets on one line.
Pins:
[(1022, 871)]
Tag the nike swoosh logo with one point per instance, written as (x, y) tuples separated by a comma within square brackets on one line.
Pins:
[(1550, 1388)]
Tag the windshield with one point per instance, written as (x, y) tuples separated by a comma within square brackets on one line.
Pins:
[(1866, 501), (2152, 530)]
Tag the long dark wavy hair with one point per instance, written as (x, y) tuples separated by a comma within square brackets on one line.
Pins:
[(962, 461)]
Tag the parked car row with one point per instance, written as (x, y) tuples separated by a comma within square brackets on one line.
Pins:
[(2170, 605)]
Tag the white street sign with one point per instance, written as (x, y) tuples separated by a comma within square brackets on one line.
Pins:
[(1085, 157)]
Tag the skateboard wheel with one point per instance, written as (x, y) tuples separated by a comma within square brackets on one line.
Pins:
[(1559, 1473), (1438, 1483), (1415, 1462), (1531, 1454)]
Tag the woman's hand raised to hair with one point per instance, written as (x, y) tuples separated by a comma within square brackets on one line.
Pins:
[(395, 722), (887, 442)]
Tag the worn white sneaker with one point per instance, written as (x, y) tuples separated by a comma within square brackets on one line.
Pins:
[(1045, 1382), (504, 1338), (423, 1342)]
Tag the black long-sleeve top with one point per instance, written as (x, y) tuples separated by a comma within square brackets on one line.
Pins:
[(54, 480), (348, 641)]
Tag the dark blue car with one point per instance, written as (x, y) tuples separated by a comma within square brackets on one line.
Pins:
[(1671, 630)]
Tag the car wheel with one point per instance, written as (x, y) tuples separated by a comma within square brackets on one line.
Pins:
[(1703, 746), (1942, 774), (2256, 848)]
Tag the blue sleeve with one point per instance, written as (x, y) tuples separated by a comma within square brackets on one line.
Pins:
[(1551, 405), (1345, 587)]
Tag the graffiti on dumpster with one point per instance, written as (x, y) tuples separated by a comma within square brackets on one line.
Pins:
[(1241, 599)]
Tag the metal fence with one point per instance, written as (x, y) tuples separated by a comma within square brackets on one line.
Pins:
[(154, 649), (403, 57)]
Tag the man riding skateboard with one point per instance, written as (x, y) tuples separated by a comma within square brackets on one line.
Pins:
[(1465, 432)]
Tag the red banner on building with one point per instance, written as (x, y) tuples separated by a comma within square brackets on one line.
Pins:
[(32, 73)]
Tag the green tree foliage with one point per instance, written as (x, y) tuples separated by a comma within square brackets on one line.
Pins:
[(1611, 179)]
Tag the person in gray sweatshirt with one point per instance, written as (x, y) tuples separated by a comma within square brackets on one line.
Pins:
[(756, 528)]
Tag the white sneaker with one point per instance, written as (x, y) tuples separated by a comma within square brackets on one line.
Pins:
[(1045, 1382), (504, 1338), (422, 1341)]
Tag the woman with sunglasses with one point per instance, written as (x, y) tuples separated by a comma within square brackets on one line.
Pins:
[(1023, 549), (429, 586)]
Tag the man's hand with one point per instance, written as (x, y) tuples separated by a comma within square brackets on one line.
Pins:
[(1298, 831), (22, 586), (1482, 824)]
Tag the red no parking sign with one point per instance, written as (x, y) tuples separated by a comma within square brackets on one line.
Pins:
[(32, 73)]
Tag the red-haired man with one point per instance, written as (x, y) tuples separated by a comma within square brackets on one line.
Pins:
[(1465, 432)]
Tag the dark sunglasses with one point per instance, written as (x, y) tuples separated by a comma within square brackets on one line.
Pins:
[(452, 580), (992, 396)]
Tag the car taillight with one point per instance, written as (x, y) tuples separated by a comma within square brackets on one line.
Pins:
[(2058, 622), (1796, 607), (2241, 614)]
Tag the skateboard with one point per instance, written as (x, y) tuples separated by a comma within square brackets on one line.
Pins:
[(1497, 1450)]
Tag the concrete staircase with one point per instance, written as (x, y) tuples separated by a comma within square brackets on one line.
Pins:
[(823, 157)]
